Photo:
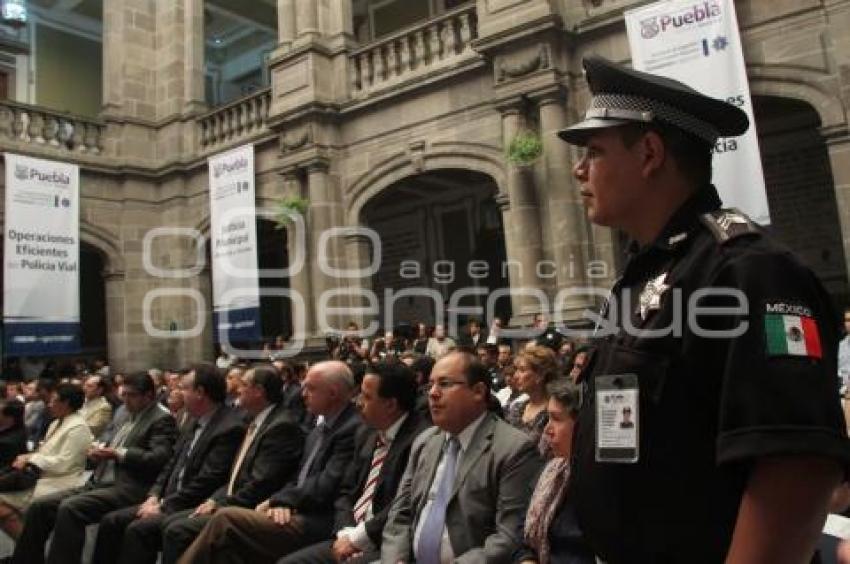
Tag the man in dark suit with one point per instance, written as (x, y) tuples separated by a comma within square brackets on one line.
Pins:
[(201, 464), (386, 403), (471, 336), (293, 400), (302, 512), (468, 480), (267, 459), (126, 467)]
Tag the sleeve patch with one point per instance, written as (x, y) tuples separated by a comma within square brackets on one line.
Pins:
[(792, 335)]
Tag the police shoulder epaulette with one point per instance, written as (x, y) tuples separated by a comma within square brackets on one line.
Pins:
[(728, 224)]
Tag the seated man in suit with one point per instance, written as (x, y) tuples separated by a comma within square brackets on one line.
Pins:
[(200, 465), (293, 400), (302, 512), (386, 403), (267, 459), (126, 467), (471, 336), (468, 480)]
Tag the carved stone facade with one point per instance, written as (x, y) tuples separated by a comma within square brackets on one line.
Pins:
[(344, 122)]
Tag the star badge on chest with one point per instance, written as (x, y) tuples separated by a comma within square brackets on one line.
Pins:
[(650, 297)]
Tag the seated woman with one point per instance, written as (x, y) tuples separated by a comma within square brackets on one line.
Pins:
[(56, 465), (551, 532), (13, 433), (535, 366)]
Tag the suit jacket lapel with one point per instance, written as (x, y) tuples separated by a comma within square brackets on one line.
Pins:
[(273, 414), (367, 451), (140, 425), (206, 433), (479, 444)]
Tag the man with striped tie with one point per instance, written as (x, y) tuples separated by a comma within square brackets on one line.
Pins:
[(386, 402)]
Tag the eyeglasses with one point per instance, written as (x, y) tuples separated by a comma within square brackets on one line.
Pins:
[(446, 384)]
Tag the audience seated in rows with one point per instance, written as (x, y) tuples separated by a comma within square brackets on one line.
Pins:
[(302, 512), (267, 459), (200, 464), (126, 467)]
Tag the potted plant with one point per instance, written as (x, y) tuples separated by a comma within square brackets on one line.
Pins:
[(288, 208), (525, 148)]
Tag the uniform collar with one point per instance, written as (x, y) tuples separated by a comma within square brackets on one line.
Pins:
[(681, 223)]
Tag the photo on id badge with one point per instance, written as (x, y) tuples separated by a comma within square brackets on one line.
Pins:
[(617, 418)]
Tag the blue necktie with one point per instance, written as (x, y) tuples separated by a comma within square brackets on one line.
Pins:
[(431, 534)]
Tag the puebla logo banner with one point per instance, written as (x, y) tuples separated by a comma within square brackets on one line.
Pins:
[(233, 239), (698, 43), (41, 275)]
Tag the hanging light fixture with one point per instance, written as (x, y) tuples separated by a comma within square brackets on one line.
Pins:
[(14, 12)]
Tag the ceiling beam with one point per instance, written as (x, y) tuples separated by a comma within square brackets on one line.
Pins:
[(66, 5), (239, 18), (71, 23)]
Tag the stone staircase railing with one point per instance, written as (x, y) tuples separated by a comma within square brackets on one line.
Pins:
[(434, 45), (43, 127), (236, 121)]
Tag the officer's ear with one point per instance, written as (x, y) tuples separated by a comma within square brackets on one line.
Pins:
[(653, 153)]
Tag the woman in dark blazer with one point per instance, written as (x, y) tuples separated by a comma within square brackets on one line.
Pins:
[(13, 434), (551, 533)]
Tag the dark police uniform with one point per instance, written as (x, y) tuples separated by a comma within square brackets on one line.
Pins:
[(708, 407)]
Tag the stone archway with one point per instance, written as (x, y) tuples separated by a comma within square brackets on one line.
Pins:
[(801, 187), (441, 236)]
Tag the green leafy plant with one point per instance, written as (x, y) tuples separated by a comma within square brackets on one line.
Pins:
[(525, 148), (288, 208)]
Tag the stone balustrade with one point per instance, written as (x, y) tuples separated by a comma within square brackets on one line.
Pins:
[(437, 44), (239, 120), (43, 127)]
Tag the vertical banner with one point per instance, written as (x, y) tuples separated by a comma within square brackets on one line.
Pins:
[(698, 43), (41, 257), (233, 236)]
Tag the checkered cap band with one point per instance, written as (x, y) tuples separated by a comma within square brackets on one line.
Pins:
[(659, 110)]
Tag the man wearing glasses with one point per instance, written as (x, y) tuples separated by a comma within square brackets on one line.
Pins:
[(126, 468), (468, 480)]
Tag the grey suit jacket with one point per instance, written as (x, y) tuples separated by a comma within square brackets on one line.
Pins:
[(494, 482)]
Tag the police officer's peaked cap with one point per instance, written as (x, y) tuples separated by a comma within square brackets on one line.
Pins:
[(622, 95)]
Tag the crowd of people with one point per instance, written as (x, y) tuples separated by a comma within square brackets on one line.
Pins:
[(696, 444), (256, 462)]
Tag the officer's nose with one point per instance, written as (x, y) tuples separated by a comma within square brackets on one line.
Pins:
[(580, 169)]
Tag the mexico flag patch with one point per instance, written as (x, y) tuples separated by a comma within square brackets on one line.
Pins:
[(794, 335)]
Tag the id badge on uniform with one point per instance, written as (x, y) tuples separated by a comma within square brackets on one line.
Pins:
[(617, 418)]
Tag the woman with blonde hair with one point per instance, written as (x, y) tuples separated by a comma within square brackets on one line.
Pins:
[(535, 366)]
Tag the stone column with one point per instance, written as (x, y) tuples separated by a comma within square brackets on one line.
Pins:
[(522, 227), (307, 18), (566, 211), (300, 279), (320, 218), (839, 157), (193, 70), (286, 22)]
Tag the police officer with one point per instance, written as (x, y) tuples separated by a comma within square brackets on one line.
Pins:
[(717, 341)]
